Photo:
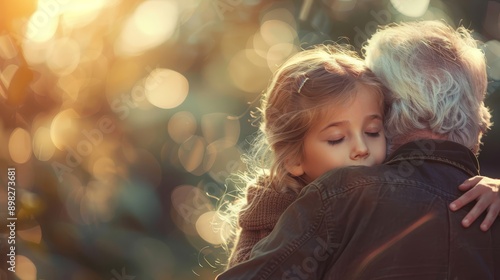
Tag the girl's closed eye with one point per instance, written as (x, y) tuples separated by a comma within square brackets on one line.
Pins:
[(373, 134), (336, 141), (374, 130)]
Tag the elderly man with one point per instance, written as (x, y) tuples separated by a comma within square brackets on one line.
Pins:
[(393, 221)]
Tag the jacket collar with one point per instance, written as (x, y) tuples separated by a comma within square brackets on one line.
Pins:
[(444, 151)]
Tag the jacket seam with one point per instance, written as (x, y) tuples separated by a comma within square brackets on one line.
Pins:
[(408, 183), (437, 159)]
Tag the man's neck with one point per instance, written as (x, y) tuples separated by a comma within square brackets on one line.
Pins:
[(414, 136)]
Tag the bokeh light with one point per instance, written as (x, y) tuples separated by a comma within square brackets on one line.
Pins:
[(70, 86), (64, 128), (276, 31), (26, 269), (342, 8), (282, 14), (166, 88), (79, 13), (259, 46), (63, 56), (206, 224), (20, 146), (8, 73), (34, 52), (104, 169), (43, 148), (278, 53), (411, 8), (152, 23), (7, 49), (43, 24), (33, 235), (181, 126), (194, 155)]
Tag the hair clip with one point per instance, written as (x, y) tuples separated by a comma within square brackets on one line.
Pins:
[(303, 83)]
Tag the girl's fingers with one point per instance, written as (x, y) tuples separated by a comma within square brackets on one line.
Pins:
[(485, 191), (479, 208), (493, 212), (465, 199), (469, 183)]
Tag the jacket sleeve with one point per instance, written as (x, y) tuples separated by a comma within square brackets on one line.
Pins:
[(296, 248)]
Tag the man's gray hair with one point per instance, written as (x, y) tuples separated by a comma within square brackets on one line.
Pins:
[(437, 77)]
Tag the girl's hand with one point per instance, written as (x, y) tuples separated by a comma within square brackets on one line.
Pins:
[(486, 191)]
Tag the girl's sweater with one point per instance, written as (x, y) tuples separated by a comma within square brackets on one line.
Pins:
[(258, 218)]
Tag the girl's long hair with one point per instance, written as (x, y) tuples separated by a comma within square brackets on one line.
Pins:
[(300, 92)]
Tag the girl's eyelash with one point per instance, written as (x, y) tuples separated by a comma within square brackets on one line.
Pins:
[(370, 134), (373, 134), (333, 142)]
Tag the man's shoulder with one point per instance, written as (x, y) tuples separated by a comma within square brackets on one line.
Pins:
[(351, 174), (352, 177)]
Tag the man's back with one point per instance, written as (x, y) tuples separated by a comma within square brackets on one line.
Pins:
[(385, 222), (396, 221)]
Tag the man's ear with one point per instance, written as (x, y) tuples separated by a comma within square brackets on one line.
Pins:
[(294, 168)]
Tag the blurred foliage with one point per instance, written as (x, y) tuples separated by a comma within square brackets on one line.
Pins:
[(124, 118)]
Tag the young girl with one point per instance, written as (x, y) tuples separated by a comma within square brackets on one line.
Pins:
[(324, 109)]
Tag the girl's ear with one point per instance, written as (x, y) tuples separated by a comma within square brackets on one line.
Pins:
[(294, 168)]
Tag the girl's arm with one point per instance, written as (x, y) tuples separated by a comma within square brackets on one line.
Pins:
[(244, 245), (486, 191), (257, 220)]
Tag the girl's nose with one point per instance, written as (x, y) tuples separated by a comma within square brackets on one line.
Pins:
[(359, 150)]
